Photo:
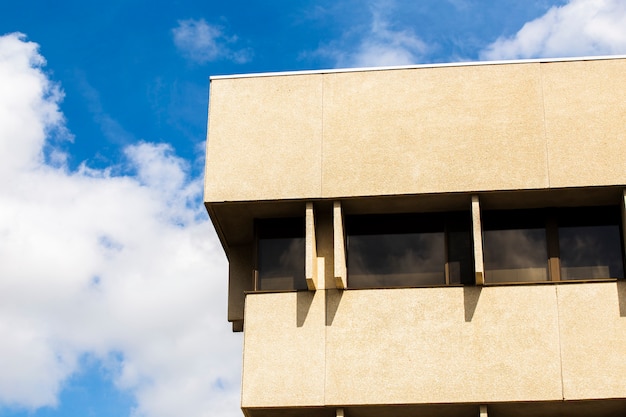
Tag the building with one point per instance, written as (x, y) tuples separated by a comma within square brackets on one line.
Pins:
[(440, 240)]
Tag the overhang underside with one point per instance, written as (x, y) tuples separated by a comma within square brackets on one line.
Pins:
[(596, 408), (234, 220)]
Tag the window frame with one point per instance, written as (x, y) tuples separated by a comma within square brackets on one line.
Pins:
[(553, 218), (382, 222), (279, 227)]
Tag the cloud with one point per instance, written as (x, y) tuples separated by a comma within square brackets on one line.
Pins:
[(579, 28), (380, 45), (201, 43), (123, 268)]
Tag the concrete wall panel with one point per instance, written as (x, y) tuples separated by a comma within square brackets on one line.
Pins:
[(264, 139), (433, 130), (593, 338), (422, 130), (434, 345), (284, 344), (585, 104), (402, 346)]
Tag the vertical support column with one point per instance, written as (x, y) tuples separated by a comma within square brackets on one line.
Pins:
[(483, 411), (477, 234), (341, 275), (554, 255), (240, 281), (310, 263)]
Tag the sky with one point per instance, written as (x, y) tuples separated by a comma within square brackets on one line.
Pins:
[(112, 280)]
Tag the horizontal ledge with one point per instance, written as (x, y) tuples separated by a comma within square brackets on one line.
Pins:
[(487, 284)]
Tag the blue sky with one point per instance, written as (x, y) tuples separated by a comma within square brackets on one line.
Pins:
[(112, 281)]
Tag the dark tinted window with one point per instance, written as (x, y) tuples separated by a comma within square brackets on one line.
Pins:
[(590, 243), (408, 250), (515, 246), (581, 243), (280, 254)]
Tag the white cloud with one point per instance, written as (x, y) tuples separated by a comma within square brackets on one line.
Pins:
[(123, 268), (579, 28), (200, 42), (380, 45)]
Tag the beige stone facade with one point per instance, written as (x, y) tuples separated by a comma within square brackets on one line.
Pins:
[(490, 167)]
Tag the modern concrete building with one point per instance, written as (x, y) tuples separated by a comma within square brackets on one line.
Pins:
[(443, 240)]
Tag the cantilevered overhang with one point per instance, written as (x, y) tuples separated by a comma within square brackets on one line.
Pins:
[(439, 131)]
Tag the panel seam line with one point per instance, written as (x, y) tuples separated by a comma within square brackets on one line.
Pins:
[(558, 322), (322, 140), (545, 127)]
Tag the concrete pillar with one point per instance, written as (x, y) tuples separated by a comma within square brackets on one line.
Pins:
[(477, 234), (341, 274), (310, 263)]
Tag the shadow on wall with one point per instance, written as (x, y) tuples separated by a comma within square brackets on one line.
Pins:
[(333, 299), (621, 297), (304, 299), (471, 296), (470, 301)]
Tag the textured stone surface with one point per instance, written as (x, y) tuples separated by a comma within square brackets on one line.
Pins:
[(585, 109), (416, 346), (422, 130), (284, 338), (440, 345), (593, 339), (264, 138), (433, 130)]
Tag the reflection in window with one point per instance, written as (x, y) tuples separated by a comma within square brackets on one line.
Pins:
[(408, 250), (396, 260), (280, 254), (515, 246), (581, 243), (590, 244), (516, 255)]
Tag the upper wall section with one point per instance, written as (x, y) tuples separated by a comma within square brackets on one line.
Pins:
[(433, 130), (585, 105), (498, 126), (265, 138)]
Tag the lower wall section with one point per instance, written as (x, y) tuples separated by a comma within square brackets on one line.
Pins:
[(437, 345), (449, 345), (284, 349), (593, 339)]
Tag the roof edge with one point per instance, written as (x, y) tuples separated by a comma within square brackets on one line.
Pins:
[(417, 66)]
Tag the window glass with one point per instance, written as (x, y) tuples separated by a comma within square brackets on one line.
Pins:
[(392, 260), (515, 255), (590, 244), (460, 257), (280, 254), (515, 246), (583, 243), (407, 250)]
